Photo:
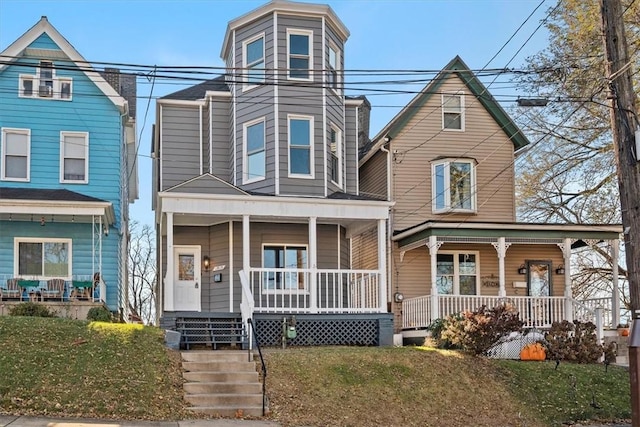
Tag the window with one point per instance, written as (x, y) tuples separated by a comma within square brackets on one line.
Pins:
[(253, 57), (454, 186), (299, 54), (45, 84), (333, 75), (43, 258), (453, 111), (457, 273), (254, 148), (334, 141), (74, 157), (300, 146), (284, 257), (16, 150)]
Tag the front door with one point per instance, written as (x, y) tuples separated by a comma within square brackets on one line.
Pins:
[(186, 279)]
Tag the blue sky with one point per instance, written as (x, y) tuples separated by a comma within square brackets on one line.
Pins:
[(385, 34)]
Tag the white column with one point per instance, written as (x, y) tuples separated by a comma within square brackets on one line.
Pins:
[(231, 273), (168, 279), (615, 296), (433, 251), (313, 264), (382, 264), (568, 293), (501, 248), (246, 249)]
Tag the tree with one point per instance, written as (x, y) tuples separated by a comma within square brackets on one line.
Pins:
[(142, 271)]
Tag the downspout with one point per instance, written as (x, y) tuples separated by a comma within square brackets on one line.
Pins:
[(389, 222)]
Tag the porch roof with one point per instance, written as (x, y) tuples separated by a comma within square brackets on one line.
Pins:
[(485, 231)]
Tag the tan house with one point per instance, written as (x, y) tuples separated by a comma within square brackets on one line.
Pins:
[(447, 161)]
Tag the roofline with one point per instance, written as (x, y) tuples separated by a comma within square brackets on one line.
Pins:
[(206, 174), (28, 206), (308, 9), (185, 102), (455, 66), (44, 26)]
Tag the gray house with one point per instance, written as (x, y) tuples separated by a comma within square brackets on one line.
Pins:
[(256, 190)]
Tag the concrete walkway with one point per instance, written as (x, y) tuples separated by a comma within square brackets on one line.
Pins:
[(14, 421)]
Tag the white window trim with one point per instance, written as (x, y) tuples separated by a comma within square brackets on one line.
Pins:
[(3, 153), (338, 153), (462, 111), (16, 256), (300, 32), (456, 270), (245, 67), (245, 154), (297, 291), (311, 174), (334, 47), (447, 192), (57, 86), (86, 157)]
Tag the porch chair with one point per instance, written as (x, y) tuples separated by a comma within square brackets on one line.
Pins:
[(55, 289), (11, 290)]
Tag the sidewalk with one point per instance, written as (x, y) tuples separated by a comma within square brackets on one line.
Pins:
[(16, 421)]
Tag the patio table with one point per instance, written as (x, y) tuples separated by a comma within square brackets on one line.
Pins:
[(82, 288), (31, 287)]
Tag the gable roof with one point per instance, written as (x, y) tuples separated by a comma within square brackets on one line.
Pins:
[(458, 67), (18, 48), (11, 193), (206, 184), (200, 90)]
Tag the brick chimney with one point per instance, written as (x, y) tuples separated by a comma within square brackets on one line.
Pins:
[(125, 85)]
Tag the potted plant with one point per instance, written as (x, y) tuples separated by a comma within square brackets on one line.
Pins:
[(623, 329)]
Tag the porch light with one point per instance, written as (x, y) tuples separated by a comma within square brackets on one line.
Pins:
[(42, 221), (398, 297), (522, 269), (560, 270), (206, 263)]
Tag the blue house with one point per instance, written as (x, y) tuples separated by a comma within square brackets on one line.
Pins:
[(67, 175)]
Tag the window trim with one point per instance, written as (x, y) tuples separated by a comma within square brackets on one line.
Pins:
[(461, 95), (56, 93), (456, 270), (311, 173), (447, 190), (3, 132), (298, 291), (245, 154), (86, 157), (247, 86), (300, 32), (336, 87), (339, 154), (42, 240)]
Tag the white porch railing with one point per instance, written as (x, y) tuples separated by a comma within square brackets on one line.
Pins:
[(286, 290), (534, 311), (605, 304), (246, 306)]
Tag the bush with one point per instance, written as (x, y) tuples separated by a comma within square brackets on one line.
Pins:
[(31, 309), (436, 328), (475, 332), (573, 342), (99, 314)]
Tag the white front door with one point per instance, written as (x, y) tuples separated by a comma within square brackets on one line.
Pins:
[(186, 278)]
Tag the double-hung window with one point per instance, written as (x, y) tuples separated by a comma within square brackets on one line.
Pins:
[(334, 140), (16, 152), (74, 157), (284, 257), (42, 258), (45, 84), (333, 69), (254, 148), (457, 273), (453, 111), (253, 57), (300, 146), (300, 59), (454, 185)]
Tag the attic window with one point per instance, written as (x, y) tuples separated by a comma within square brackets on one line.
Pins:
[(45, 84), (453, 111)]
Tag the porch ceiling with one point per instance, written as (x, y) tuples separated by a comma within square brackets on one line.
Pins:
[(55, 211)]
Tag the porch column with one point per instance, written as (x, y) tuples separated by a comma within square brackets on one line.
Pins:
[(615, 303), (168, 278), (382, 264), (568, 293), (433, 246), (313, 264), (246, 250), (501, 248)]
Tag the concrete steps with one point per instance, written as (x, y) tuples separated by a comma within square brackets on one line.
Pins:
[(223, 383), (622, 346)]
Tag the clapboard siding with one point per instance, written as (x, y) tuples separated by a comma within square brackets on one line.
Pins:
[(220, 138), (351, 150), (373, 177), (180, 140)]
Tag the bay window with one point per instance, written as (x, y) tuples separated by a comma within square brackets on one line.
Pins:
[(300, 146), (254, 151), (299, 57)]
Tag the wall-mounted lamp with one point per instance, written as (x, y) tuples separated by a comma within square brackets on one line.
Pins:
[(560, 270), (398, 297), (206, 263), (522, 269), (42, 221)]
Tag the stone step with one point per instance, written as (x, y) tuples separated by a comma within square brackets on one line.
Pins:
[(228, 411), (215, 356), (219, 366), (225, 399), (223, 387), (218, 377)]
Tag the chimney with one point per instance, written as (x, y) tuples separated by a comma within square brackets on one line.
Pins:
[(364, 114), (125, 85)]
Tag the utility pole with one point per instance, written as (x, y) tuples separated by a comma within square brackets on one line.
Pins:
[(624, 124)]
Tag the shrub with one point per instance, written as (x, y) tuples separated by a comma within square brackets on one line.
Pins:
[(573, 342), (436, 328), (99, 314), (477, 331), (31, 309)]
